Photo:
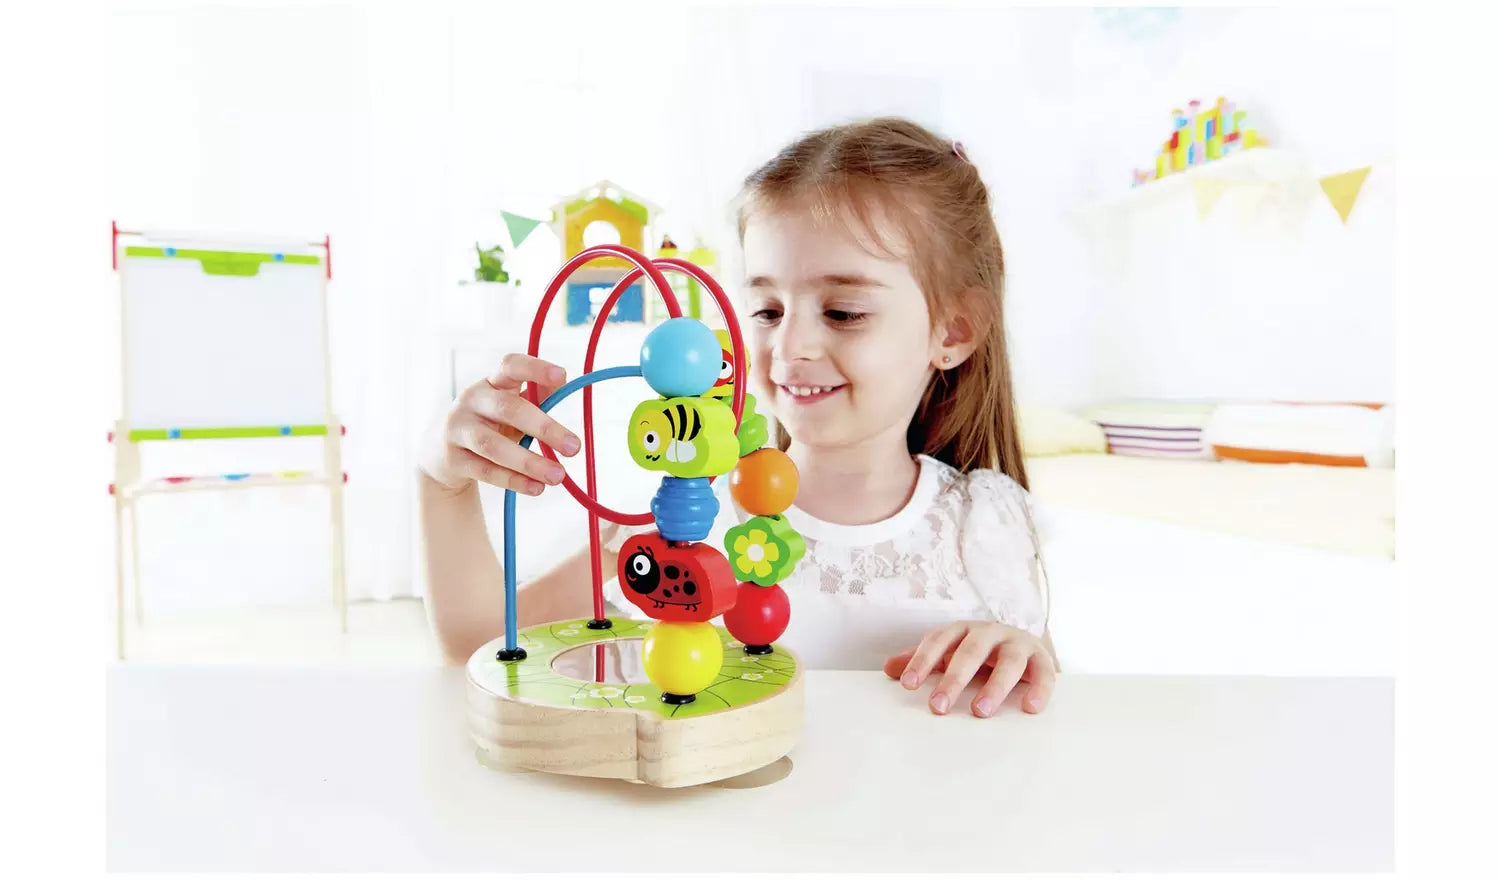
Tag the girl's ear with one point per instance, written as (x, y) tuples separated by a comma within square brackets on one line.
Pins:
[(953, 341)]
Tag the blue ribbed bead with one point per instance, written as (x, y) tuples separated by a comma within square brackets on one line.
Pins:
[(684, 508)]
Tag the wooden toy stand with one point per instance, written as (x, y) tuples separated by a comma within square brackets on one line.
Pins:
[(556, 712), (586, 697)]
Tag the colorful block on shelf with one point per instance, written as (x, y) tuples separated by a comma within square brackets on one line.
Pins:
[(1200, 135)]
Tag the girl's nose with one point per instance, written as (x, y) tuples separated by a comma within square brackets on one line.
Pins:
[(799, 337)]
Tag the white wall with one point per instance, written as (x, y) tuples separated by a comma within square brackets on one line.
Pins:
[(1259, 301), (726, 88)]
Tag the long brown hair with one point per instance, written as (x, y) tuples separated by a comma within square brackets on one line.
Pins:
[(933, 194)]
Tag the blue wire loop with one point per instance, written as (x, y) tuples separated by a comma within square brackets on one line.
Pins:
[(552, 400)]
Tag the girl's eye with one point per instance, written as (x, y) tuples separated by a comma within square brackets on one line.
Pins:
[(839, 316), (766, 315)]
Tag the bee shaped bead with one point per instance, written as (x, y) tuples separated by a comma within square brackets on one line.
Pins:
[(684, 436)]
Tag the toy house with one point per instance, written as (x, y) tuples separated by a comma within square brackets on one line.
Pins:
[(604, 213)]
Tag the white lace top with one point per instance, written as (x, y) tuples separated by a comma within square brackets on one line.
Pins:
[(964, 547)]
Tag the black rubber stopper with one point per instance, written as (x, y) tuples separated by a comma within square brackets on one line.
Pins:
[(677, 699), (758, 649), (505, 655), (601, 623)]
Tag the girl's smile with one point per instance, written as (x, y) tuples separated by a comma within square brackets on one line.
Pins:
[(807, 395)]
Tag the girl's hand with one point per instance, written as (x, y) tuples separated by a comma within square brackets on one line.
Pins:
[(478, 438), (961, 650)]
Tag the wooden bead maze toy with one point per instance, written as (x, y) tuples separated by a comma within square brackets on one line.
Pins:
[(716, 701)]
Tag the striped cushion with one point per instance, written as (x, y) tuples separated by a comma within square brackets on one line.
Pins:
[(1126, 439), (1160, 430)]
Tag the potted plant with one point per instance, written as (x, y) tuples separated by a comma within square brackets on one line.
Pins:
[(491, 265)]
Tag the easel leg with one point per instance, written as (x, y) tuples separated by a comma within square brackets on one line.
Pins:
[(340, 588), (119, 576), (135, 563), (333, 464)]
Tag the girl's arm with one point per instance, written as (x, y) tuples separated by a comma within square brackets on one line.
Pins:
[(478, 440), (466, 584)]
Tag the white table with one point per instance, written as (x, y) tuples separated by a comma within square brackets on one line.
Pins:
[(267, 769)]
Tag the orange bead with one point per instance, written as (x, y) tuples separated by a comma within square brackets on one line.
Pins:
[(764, 483)]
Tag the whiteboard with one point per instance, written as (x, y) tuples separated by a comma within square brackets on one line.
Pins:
[(205, 350)]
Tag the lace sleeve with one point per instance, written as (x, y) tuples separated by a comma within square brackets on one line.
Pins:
[(1003, 553)]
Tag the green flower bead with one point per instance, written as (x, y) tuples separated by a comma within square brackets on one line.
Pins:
[(764, 550)]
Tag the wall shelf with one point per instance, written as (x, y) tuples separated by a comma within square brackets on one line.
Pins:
[(1259, 164)]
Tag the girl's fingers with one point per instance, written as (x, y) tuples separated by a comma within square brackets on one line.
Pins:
[(966, 662), (517, 369), (929, 652), (1014, 658), (897, 664), (511, 409), (486, 471), (1042, 676), (489, 444)]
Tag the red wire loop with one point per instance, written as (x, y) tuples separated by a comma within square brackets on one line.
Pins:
[(643, 267)]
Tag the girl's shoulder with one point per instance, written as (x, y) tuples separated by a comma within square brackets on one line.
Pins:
[(979, 487)]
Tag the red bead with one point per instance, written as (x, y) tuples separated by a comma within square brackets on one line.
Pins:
[(760, 614), (683, 583)]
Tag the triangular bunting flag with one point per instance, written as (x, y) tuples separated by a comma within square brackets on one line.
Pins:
[(1343, 189), (519, 227), (1206, 191)]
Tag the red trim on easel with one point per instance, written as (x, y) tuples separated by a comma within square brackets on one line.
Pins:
[(327, 258), (114, 247)]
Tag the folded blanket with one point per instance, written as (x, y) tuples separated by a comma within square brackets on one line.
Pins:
[(1348, 435)]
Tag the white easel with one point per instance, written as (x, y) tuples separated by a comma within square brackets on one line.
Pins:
[(177, 295)]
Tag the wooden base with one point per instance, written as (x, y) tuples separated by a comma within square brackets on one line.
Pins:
[(579, 705)]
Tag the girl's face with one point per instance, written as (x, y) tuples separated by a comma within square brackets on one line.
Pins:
[(841, 344)]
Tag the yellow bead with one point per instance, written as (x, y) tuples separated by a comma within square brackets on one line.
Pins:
[(682, 658)]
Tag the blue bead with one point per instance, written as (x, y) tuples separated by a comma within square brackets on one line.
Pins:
[(681, 357), (684, 508), (174, 433), (171, 252), (279, 257), (285, 430)]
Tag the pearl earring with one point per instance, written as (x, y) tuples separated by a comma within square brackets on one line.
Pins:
[(947, 360)]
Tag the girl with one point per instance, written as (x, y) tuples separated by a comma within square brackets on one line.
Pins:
[(873, 278)]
